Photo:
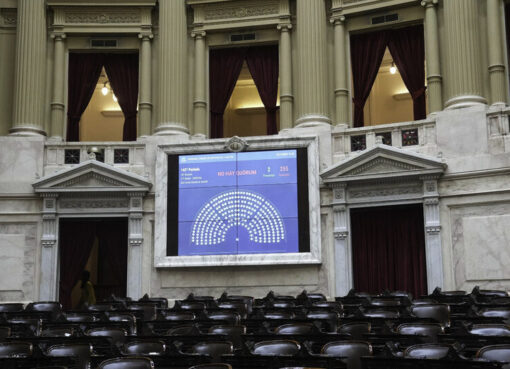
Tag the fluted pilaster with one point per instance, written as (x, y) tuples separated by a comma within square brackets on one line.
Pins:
[(434, 78), (496, 57), (57, 101), (145, 105), (199, 102), (172, 64), (286, 97), (341, 90), (29, 79), (311, 63), (463, 76)]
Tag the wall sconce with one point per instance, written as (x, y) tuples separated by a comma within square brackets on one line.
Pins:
[(107, 86), (393, 68), (105, 89)]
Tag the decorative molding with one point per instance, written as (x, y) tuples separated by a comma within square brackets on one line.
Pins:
[(340, 235), (430, 186), (239, 9), (236, 144), (48, 243), (94, 204), (431, 201), (435, 229), (8, 18), (135, 241), (102, 17), (429, 3), (385, 192), (91, 175), (381, 165)]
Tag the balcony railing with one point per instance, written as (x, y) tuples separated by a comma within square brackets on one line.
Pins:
[(410, 135)]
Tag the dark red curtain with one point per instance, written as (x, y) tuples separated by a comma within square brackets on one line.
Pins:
[(112, 258), (388, 247), (84, 71), (407, 47), (75, 243), (122, 71), (367, 51), (263, 65), (224, 68)]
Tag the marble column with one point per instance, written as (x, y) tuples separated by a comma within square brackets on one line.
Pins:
[(145, 104), (57, 102), (341, 90), (286, 97), (343, 253), (30, 69), (199, 102), (434, 78), (172, 64), (495, 44), (433, 248), (463, 65), (312, 96)]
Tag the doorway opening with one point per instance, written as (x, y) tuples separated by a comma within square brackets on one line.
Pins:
[(388, 247), (98, 246)]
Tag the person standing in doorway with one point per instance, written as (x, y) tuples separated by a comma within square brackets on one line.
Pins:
[(88, 296)]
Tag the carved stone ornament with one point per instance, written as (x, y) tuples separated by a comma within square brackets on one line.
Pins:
[(383, 192), (48, 243), (433, 229), (382, 165), (236, 144), (8, 17), (240, 9), (102, 17), (135, 241), (340, 235), (94, 204)]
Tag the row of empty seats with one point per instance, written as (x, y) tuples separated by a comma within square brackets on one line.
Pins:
[(389, 330)]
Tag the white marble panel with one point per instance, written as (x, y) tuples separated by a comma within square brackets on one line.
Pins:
[(21, 163), (240, 277), (486, 241), (12, 248)]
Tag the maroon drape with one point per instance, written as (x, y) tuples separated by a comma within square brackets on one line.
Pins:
[(224, 68), (263, 65), (122, 71), (84, 71), (367, 51), (75, 242), (112, 258), (388, 248), (407, 47)]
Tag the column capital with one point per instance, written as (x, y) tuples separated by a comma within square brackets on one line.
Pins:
[(198, 34), (284, 27), (429, 3), (58, 36), (146, 36), (337, 20)]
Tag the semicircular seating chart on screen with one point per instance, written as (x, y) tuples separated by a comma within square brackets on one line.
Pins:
[(237, 208)]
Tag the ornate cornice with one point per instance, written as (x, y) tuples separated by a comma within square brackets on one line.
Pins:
[(112, 16), (240, 9)]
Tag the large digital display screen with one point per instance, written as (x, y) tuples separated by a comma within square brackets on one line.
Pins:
[(235, 203)]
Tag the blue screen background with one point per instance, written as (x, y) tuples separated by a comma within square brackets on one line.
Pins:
[(238, 203)]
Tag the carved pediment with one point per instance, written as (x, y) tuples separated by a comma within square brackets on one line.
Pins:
[(92, 176), (383, 162)]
